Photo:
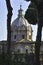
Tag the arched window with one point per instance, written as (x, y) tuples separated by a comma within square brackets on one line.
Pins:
[(14, 36), (23, 36)]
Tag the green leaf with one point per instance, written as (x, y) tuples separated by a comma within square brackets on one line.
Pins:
[(31, 14)]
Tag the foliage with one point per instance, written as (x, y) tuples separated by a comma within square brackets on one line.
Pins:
[(39, 5), (4, 60), (31, 14), (18, 59)]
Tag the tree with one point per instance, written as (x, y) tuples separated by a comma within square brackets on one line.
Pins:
[(31, 14), (9, 15), (39, 5)]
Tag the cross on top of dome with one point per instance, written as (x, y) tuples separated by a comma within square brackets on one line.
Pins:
[(20, 14), (20, 7)]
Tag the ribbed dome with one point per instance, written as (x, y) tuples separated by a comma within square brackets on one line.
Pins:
[(20, 20)]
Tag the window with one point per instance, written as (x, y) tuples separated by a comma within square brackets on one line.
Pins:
[(14, 36), (0, 49), (23, 36), (29, 36), (18, 51), (27, 51)]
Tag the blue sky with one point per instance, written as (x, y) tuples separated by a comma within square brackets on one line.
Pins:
[(3, 17)]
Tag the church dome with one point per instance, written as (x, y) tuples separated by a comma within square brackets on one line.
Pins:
[(20, 20), (20, 28)]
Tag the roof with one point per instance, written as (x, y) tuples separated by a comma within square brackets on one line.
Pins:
[(22, 41), (20, 20)]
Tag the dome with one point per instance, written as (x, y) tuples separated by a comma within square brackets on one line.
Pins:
[(20, 20), (20, 28)]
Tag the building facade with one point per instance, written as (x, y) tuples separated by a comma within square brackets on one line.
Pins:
[(21, 31), (21, 36)]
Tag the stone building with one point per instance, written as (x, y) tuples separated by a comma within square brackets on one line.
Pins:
[(21, 36), (21, 31)]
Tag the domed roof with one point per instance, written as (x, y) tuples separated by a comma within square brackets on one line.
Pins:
[(20, 20)]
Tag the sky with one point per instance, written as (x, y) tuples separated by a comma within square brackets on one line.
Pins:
[(3, 17)]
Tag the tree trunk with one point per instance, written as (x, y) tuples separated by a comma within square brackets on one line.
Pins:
[(9, 15), (38, 42)]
